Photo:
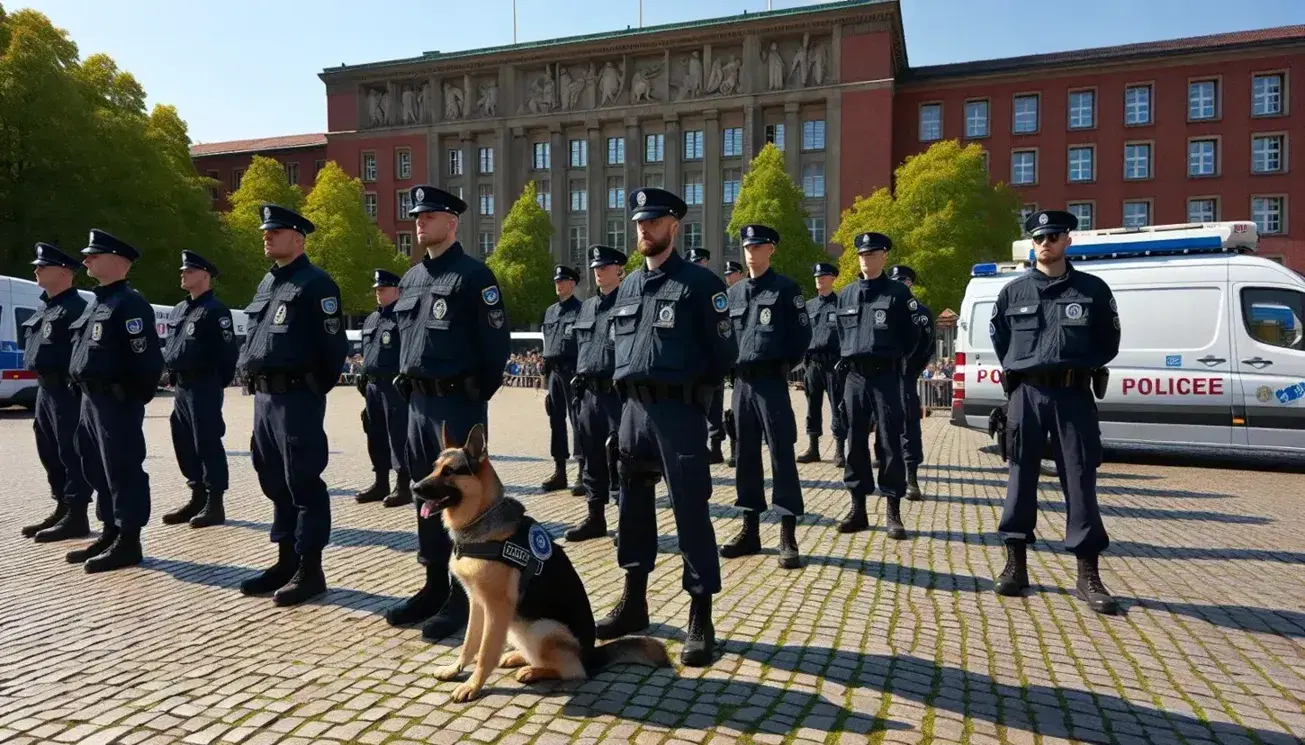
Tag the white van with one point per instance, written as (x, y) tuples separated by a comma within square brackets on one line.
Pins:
[(19, 300), (1212, 355)]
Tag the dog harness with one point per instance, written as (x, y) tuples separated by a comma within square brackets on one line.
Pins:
[(528, 550)]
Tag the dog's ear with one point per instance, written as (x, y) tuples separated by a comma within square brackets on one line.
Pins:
[(475, 447), (446, 442)]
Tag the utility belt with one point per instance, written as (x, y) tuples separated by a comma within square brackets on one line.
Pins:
[(557, 366), (763, 369), (284, 383), (593, 383), (96, 387), (462, 385), (866, 365), (822, 359), (1075, 377), (54, 379), (652, 392), (188, 378), (379, 378)]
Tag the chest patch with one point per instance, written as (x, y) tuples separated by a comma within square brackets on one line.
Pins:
[(279, 317), (833, 319), (97, 331), (1073, 311), (46, 330), (190, 329), (439, 309), (881, 317), (665, 317), (567, 331), (764, 317), (541, 543), (385, 338)]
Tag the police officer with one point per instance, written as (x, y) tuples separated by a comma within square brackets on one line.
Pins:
[(47, 351), (878, 328), (387, 411), (559, 367), (455, 346), (1055, 329), (599, 409), (292, 360), (819, 377), (770, 324), (733, 275), (674, 343), (117, 364), (201, 360), (913, 444), (715, 412)]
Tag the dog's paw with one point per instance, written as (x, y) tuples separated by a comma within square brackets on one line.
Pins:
[(512, 659), (465, 692), (533, 674), (448, 672)]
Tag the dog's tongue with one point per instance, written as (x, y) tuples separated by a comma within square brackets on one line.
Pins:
[(427, 509)]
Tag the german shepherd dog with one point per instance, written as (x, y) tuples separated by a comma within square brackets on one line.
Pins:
[(522, 587)]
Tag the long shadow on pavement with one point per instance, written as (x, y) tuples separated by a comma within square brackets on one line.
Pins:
[(1145, 513)]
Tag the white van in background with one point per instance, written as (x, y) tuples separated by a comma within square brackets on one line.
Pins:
[(20, 299), (1212, 355)]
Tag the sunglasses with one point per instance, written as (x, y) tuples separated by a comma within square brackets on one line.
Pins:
[(1047, 238)]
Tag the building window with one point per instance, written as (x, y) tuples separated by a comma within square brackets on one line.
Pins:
[(1202, 210), (212, 188), (544, 195), (541, 156), (655, 180), (930, 122), (1024, 167), (693, 189), (370, 205), (732, 142), (816, 229), (813, 134), (1081, 164), (1026, 114), (579, 239), (1082, 109), (693, 144), (813, 180), (1137, 214), (692, 235), (405, 244), (318, 166), (654, 148), (579, 154), (615, 193), (1137, 105), (1083, 211), (486, 158), (486, 241), (403, 163), (403, 198), (616, 234), (733, 181), (1267, 213), (1026, 211), (579, 196), (292, 173), (1202, 99), (369, 167), (455, 162), (1266, 95), (1201, 157), (775, 135), (976, 119), (486, 199), (1266, 153), (237, 176), (1137, 161), (615, 151)]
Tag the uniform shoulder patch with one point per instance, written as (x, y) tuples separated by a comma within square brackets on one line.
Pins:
[(541, 543), (135, 326), (496, 318), (225, 322), (490, 295), (913, 304), (330, 305), (799, 303), (332, 326), (138, 345), (720, 302)]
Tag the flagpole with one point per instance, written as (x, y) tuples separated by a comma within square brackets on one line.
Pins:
[(514, 21), (640, 13)]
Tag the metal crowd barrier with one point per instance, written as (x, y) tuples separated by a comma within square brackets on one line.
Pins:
[(935, 393)]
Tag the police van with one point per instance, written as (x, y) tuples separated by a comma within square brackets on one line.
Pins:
[(1212, 355), (20, 299)]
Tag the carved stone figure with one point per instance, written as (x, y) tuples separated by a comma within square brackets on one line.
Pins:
[(642, 84), (715, 77), (691, 86), (387, 108), (452, 102), (410, 113), (798, 68), (817, 65), (424, 103), (487, 102), (543, 94), (730, 77), (375, 114), (571, 83), (611, 83), (774, 62)]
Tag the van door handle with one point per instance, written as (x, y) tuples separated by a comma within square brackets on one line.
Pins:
[(1257, 362), (1212, 360)]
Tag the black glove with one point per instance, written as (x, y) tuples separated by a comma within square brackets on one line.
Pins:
[(548, 404), (1100, 381), (403, 386), (1009, 382), (361, 384), (364, 419)]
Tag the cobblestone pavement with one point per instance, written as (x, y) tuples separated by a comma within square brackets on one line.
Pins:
[(873, 640)]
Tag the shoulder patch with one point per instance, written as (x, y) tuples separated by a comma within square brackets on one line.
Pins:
[(490, 295), (912, 304), (138, 345), (496, 318), (135, 326), (541, 543), (720, 302), (225, 322), (332, 326), (330, 305), (799, 303)]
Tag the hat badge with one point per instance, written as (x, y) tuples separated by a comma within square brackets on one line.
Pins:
[(751, 232), (267, 213), (640, 199), (597, 253), (421, 195), (1042, 219)]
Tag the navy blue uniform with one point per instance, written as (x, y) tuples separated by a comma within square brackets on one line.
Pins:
[(599, 411), (201, 358), (772, 330), (820, 378), (912, 436), (47, 350), (291, 358), (117, 363), (559, 367), (387, 411)]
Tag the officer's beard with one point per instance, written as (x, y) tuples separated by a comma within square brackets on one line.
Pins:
[(649, 248)]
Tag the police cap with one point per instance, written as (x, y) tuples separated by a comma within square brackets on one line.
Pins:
[(385, 278), (1050, 221), (103, 243), (698, 254), (867, 242), (824, 269), (901, 273), (48, 255), (755, 235), (600, 255), (426, 198), (192, 260), (276, 217), (649, 203), (733, 267), (562, 271)]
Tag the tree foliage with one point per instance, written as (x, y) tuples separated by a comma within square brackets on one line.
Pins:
[(244, 265), (770, 197), (943, 217), (522, 262)]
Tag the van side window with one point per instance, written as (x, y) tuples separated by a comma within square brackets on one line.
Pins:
[(20, 317), (1273, 316)]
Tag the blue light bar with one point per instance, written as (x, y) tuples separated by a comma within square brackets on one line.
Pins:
[(984, 270), (1203, 244)]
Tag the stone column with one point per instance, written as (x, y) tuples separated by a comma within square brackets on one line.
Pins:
[(674, 177), (712, 229), (597, 185), (793, 140), (833, 165), (471, 174), (557, 163), (754, 130), (633, 174)]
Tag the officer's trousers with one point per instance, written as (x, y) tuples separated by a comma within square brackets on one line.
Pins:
[(762, 408), (58, 410), (874, 397), (670, 438), (912, 435), (428, 416), (1069, 415), (111, 448), (197, 431), (821, 380), (716, 415), (387, 426), (561, 410), (599, 416), (290, 453)]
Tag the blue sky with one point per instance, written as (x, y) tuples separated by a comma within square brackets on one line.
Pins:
[(240, 69)]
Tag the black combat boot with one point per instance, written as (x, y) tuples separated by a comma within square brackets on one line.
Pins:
[(578, 490), (747, 541), (108, 534), (377, 491), (425, 603), (714, 455), (1014, 577), (307, 583), (840, 453), (451, 618), (558, 479), (812, 453), (402, 493), (124, 552), (732, 461), (73, 524), (276, 576), (594, 526), (913, 492), (788, 547), (60, 509), (856, 520), (198, 498), (700, 644), (896, 530), (214, 512), (630, 616), (1090, 588)]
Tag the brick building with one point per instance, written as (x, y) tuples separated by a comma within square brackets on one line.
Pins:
[(1148, 133)]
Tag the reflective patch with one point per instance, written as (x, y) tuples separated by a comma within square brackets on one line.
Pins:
[(279, 318), (330, 306), (97, 331), (46, 330), (1073, 311), (332, 326), (541, 543), (881, 317), (224, 322), (665, 317), (138, 345), (385, 338), (490, 295), (135, 326), (922, 320), (723, 329), (720, 302), (764, 317), (439, 309), (799, 303), (912, 304), (190, 329), (496, 318)]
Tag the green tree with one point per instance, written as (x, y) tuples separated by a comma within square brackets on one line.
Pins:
[(943, 217), (769, 197), (242, 262), (522, 262)]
